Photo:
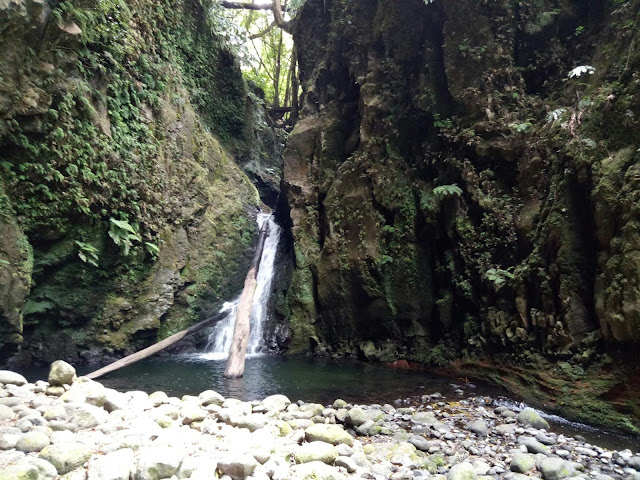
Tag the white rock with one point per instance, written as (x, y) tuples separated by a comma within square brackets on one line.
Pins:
[(61, 373), (12, 378), (117, 465)]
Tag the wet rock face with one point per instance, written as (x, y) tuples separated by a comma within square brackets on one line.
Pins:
[(83, 142), (439, 208)]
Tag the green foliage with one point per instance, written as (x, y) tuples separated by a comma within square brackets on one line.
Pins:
[(447, 190), (88, 253), (498, 276), (123, 235), (439, 122), (521, 127), (4, 263)]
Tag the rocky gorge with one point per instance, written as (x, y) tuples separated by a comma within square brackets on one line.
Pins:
[(76, 429), (459, 192)]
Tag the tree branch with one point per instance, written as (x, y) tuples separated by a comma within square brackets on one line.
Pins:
[(263, 32), (275, 7)]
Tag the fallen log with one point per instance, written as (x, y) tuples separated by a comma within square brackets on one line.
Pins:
[(156, 347), (242, 327)]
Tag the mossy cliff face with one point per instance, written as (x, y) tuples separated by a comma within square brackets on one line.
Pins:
[(120, 124), (454, 195)]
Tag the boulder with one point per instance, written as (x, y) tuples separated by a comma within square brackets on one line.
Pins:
[(522, 463), (533, 445), (462, 471), (423, 418), (116, 465), (346, 462), (276, 403), (529, 416), (238, 467), (67, 456), (419, 442), (315, 471), (155, 463), (479, 427), (85, 416), (316, 452), (61, 373), (6, 413), (12, 378), (32, 442), (356, 417), (328, 433), (252, 422), (554, 468), (9, 437), (209, 397), (191, 412)]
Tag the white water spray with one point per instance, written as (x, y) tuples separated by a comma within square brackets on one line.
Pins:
[(221, 335)]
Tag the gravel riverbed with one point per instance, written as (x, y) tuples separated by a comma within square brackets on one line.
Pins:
[(76, 429)]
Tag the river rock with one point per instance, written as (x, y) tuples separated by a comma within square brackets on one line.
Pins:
[(554, 468), (116, 465), (66, 457), (529, 416), (61, 373), (192, 412), (462, 471), (6, 413), (316, 451), (12, 378), (238, 467), (32, 442), (9, 437), (479, 427), (419, 442), (533, 445), (346, 462), (22, 470), (85, 416), (158, 398), (155, 463), (522, 462), (328, 433), (356, 417), (424, 418), (276, 403), (210, 397), (313, 470), (114, 400)]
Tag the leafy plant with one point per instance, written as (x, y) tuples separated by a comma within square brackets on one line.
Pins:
[(4, 263), (521, 127), (446, 190), (123, 235), (88, 253), (439, 122), (498, 276), (152, 248)]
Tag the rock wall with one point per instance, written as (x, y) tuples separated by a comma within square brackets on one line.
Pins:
[(457, 199), (123, 215)]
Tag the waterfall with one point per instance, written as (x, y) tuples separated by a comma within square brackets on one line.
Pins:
[(221, 335)]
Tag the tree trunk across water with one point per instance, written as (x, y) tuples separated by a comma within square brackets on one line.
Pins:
[(242, 328), (155, 348), (235, 362)]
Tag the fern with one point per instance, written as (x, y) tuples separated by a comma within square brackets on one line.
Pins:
[(446, 190), (88, 253), (498, 276), (123, 235)]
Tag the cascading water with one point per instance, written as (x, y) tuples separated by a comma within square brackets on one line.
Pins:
[(222, 334)]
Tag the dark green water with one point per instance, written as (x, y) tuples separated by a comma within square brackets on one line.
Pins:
[(314, 380)]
